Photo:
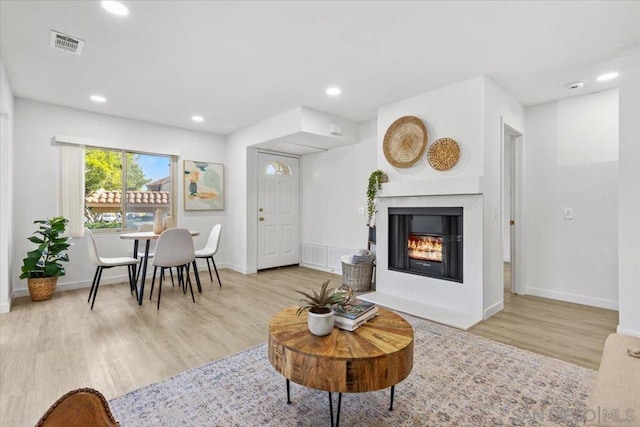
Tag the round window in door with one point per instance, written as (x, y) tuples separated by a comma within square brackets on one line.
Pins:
[(278, 168)]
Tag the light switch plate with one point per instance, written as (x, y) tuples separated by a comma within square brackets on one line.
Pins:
[(568, 213)]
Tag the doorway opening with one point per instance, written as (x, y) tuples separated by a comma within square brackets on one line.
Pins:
[(512, 213)]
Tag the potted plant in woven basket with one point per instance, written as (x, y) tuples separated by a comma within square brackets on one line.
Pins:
[(320, 320), (42, 265)]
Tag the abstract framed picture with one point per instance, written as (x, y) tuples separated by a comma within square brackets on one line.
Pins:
[(203, 186)]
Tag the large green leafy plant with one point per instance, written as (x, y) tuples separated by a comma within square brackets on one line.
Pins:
[(44, 261)]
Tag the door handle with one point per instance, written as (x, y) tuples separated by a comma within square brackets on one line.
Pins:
[(261, 218)]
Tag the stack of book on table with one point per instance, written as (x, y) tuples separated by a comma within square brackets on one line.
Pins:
[(354, 314)]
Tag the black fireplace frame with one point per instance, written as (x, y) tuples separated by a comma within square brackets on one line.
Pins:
[(439, 221)]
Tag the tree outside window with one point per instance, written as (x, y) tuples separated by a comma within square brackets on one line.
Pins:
[(146, 177)]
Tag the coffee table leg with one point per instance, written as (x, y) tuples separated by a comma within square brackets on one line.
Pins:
[(337, 423), (288, 395), (393, 389)]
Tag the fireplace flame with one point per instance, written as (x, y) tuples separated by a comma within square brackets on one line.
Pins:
[(425, 247)]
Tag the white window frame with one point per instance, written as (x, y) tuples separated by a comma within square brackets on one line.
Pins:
[(71, 151)]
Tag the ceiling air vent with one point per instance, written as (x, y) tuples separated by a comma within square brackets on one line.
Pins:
[(66, 43)]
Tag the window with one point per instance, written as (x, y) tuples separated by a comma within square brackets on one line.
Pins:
[(123, 189), (278, 168)]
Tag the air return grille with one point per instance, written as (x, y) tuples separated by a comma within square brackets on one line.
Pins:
[(66, 43)]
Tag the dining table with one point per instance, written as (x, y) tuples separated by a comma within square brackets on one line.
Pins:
[(147, 236)]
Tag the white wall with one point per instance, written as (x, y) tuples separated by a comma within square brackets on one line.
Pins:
[(241, 198), (241, 149), (36, 174), (571, 160), (629, 202), (455, 111), (333, 187), (499, 108), (6, 189)]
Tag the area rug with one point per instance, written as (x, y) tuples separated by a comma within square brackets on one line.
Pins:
[(458, 379)]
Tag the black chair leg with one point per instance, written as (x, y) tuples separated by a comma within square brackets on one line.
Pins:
[(93, 284), (139, 269), (195, 272), (171, 273), (153, 281), (209, 267), (95, 291), (132, 279), (160, 288), (180, 274), (216, 269), (191, 287)]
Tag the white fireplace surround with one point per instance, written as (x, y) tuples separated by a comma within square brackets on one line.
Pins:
[(455, 304)]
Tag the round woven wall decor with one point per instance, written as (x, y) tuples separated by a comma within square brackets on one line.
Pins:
[(405, 141), (443, 154)]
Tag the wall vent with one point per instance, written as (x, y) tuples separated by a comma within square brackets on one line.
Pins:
[(67, 43)]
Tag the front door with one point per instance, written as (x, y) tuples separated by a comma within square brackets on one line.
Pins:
[(278, 210)]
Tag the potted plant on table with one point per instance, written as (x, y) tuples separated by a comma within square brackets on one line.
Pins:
[(320, 320), (42, 265)]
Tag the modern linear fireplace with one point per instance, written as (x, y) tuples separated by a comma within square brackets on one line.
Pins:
[(426, 241)]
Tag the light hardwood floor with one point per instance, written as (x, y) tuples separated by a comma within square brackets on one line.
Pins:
[(50, 347)]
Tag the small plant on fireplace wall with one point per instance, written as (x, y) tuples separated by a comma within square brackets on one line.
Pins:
[(376, 179)]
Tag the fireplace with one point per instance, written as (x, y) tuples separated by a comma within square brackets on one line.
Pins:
[(426, 241)]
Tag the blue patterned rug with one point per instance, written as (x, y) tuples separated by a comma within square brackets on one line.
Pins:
[(458, 379)]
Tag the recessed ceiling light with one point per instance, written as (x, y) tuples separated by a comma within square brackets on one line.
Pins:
[(607, 76), (198, 119), (98, 98), (115, 7), (334, 91)]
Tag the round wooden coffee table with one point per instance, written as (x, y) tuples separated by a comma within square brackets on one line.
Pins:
[(377, 355)]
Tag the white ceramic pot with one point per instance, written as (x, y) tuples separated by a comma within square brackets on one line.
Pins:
[(320, 324)]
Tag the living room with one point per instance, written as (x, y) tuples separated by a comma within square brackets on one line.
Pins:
[(579, 152)]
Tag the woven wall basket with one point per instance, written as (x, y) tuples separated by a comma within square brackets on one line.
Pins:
[(405, 141), (41, 288), (443, 154)]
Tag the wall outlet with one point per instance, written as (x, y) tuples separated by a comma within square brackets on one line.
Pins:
[(568, 213), (360, 211)]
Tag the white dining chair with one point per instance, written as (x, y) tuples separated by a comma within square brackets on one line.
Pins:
[(213, 242), (104, 263), (141, 229), (174, 249)]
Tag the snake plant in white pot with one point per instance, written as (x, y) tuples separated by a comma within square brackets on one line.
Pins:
[(320, 319)]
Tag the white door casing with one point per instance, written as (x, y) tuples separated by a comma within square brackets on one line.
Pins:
[(278, 213)]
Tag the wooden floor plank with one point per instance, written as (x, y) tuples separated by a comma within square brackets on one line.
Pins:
[(50, 347)]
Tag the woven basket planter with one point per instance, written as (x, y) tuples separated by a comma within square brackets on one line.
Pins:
[(41, 288), (357, 276)]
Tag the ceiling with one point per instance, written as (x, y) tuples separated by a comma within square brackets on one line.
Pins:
[(237, 63)]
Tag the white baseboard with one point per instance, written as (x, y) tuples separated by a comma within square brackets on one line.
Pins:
[(320, 268), (577, 299), (241, 270), (628, 332), (22, 292), (5, 308), (495, 308)]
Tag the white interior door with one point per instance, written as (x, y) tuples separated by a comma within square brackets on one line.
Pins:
[(278, 210)]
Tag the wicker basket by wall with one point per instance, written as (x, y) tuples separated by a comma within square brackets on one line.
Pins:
[(41, 288), (358, 276)]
